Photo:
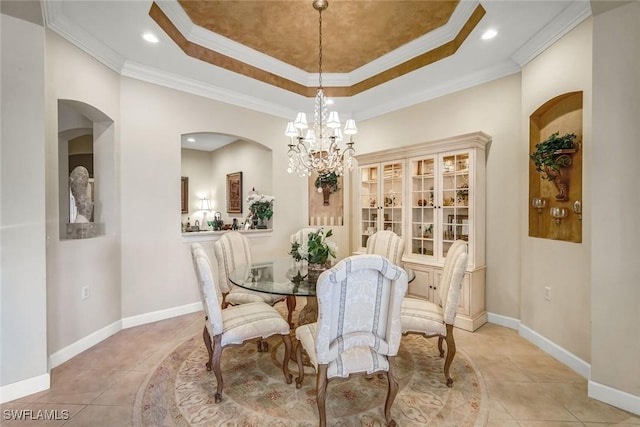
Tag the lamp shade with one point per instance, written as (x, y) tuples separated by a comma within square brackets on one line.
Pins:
[(350, 127), (205, 204), (333, 121), (291, 130), (301, 121)]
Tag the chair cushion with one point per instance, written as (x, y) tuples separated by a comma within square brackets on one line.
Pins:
[(252, 320), (240, 295), (422, 316), (352, 360)]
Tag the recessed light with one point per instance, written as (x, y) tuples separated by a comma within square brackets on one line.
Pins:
[(191, 140), (150, 37), (489, 34)]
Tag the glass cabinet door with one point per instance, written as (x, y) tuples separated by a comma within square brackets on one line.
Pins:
[(423, 210), (369, 196), (455, 199), (392, 192)]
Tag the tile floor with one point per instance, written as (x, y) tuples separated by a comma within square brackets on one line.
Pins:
[(526, 387)]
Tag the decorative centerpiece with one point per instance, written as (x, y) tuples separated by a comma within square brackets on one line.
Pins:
[(317, 253), (551, 157), (261, 208)]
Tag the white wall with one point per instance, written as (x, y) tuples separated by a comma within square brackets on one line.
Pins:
[(563, 266), (74, 264), (615, 314), (23, 351), (493, 108), (156, 266)]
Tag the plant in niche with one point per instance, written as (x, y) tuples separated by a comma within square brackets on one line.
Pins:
[(547, 156), (329, 179), (318, 249), (326, 183), (261, 205)]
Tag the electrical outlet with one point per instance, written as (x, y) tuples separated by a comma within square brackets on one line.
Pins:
[(547, 293), (85, 292)]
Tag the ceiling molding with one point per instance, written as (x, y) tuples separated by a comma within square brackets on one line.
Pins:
[(486, 75), (568, 19), (173, 81), (58, 22)]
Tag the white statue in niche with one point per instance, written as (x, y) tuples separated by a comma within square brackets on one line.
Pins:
[(79, 184)]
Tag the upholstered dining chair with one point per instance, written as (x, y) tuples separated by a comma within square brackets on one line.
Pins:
[(231, 251), (358, 328), (436, 319), (235, 324), (388, 244)]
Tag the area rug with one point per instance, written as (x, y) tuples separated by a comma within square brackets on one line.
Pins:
[(180, 391)]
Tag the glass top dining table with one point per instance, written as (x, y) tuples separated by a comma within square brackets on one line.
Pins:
[(285, 277)]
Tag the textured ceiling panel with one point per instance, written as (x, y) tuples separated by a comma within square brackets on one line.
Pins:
[(354, 32)]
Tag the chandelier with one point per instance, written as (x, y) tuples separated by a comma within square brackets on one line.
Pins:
[(317, 148)]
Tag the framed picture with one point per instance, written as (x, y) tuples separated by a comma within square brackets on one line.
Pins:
[(184, 194), (234, 192)]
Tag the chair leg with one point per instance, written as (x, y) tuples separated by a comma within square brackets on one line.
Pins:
[(217, 355), (291, 306), (300, 376), (207, 343), (263, 345), (287, 354), (440, 339), (451, 351), (392, 391), (321, 393)]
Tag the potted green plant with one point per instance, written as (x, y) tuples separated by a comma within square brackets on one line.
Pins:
[(551, 156), (326, 183), (318, 252), (261, 207)]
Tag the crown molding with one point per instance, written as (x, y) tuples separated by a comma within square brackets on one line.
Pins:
[(59, 23), (485, 75), (568, 19), (180, 83)]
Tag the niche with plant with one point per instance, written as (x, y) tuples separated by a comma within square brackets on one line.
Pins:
[(555, 169)]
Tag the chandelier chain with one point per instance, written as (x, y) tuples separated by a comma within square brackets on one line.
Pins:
[(320, 49)]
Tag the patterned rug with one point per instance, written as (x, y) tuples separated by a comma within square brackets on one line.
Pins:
[(180, 392)]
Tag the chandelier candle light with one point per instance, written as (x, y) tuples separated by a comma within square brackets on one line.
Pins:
[(316, 149)]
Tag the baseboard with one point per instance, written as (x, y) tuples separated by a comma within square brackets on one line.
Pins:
[(507, 322), (23, 388), (154, 316), (617, 398), (72, 350), (569, 359), (42, 382)]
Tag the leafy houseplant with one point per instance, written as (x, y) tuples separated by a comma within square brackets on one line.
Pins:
[(547, 156), (329, 179), (318, 249), (326, 183), (261, 206)]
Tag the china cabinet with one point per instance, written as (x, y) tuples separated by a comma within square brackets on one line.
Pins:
[(430, 194)]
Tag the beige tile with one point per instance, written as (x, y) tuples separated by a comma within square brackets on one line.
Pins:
[(530, 401), (550, 424), (102, 416), (123, 391), (497, 411), (492, 422)]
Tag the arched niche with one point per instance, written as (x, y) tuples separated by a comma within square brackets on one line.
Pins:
[(85, 138), (208, 160), (562, 114)]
